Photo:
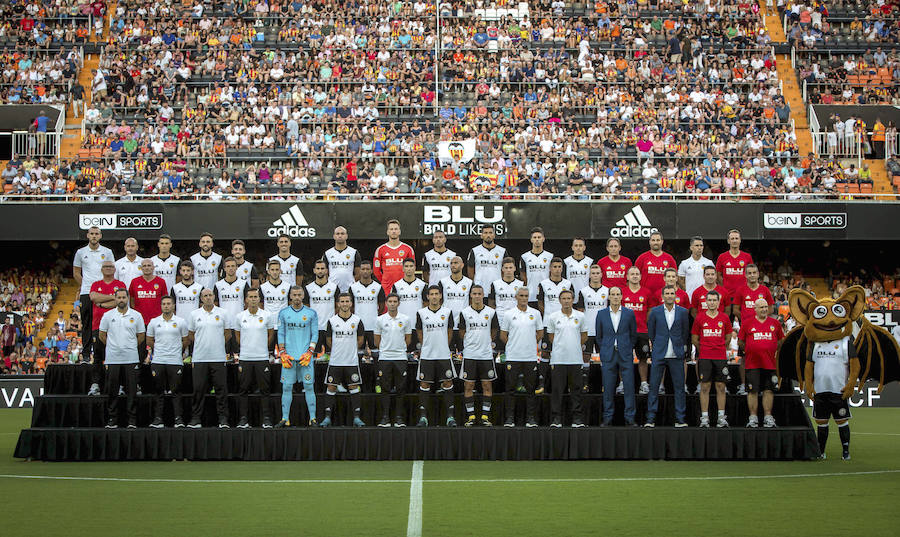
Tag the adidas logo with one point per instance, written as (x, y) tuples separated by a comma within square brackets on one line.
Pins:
[(634, 224), (293, 224)]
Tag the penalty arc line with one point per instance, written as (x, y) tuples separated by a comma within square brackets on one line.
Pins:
[(413, 481), (414, 522)]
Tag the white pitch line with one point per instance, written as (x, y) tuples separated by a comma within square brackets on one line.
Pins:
[(876, 434), (414, 522), (413, 481)]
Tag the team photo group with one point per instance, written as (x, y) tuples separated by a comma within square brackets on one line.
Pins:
[(536, 320)]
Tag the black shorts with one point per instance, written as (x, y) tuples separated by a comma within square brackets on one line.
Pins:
[(392, 375), (431, 371), (830, 405), (713, 370), (642, 346), (590, 345), (761, 380), (342, 374), (473, 370)]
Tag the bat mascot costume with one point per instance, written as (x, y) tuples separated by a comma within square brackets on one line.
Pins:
[(822, 355)]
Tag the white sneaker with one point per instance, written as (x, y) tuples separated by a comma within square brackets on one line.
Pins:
[(121, 390), (704, 422), (769, 422), (742, 390), (662, 390), (620, 389), (687, 391), (753, 422), (722, 422), (95, 389), (645, 388)]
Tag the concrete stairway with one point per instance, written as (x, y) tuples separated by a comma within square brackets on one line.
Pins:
[(68, 294)]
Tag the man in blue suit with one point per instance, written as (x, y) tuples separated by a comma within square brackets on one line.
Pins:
[(616, 330), (669, 329)]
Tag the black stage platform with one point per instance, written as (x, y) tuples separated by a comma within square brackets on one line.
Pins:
[(66, 426)]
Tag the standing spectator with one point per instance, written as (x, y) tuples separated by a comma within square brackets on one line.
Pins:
[(8, 336), (86, 271), (77, 93)]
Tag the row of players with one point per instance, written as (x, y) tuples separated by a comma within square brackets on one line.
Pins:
[(639, 287), (521, 329)]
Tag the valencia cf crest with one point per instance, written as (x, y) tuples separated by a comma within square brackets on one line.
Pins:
[(354, 378), (217, 317), (195, 291), (741, 263), (400, 324), (720, 324), (156, 286), (622, 266), (307, 377), (303, 318), (665, 263), (327, 291), (456, 150), (347, 256)]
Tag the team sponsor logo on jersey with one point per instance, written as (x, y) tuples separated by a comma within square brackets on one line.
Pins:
[(462, 220), (293, 224), (634, 224)]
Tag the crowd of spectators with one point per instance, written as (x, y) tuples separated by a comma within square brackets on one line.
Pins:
[(34, 76), (812, 24), (43, 23), (853, 79)]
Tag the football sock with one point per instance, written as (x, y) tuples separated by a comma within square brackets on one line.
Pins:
[(470, 405), (822, 434), (310, 396), (486, 405), (423, 396), (844, 432), (721, 413), (329, 403), (355, 399)]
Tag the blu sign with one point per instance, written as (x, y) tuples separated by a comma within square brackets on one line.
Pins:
[(805, 220), (120, 220), (462, 220)]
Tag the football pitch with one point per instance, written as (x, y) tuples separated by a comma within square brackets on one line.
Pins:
[(647, 498)]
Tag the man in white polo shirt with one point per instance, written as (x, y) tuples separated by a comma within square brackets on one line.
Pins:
[(208, 328), (121, 331), (521, 329), (167, 338), (254, 329), (128, 267), (393, 332), (86, 271), (567, 334), (690, 271)]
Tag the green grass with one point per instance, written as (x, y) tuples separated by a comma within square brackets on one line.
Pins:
[(620, 500)]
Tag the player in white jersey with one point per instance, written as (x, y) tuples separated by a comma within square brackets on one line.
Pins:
[(567, 334), (434, 324), (245, 269), (393, 333), (521, 329), (368, 300), (478, 327), (826, 375), (436, 262), (128, 267), (486, 259), (455, 295), (229, 293), (86, 270), (577, 267), (254, 329), (186, 292), (320, 294), (208, 328), (167, 337), (291, 266), (275, 291), (165, 263), (690, 271), (343, 261), (206, 263), (502, 296), (534, 265), (548, 304), (344, 332), (412, 292), (591, 299)]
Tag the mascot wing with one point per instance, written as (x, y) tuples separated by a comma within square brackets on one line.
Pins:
[(791, 358), (879, 354)]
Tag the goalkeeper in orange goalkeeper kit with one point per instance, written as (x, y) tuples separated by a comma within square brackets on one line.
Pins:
[(298, 332)]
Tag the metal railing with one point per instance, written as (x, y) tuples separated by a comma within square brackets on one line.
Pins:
[(834, 145), (455, 196), (891, 145), (36, 144)]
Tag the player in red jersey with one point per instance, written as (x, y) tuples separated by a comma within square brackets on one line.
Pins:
[(698, 300), (102, 295), (639, 299), (711, 336), (653, 264), (758, 339), (388, 262), (615, 266), (744, 302), (146, 292), (730, 266)]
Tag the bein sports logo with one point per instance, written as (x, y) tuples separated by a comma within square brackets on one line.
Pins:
[(293, 224), (634, 224), (120, 220), (805, 220)]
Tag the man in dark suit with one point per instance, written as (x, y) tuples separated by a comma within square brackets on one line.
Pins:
[(669, 329), (616, 330)]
